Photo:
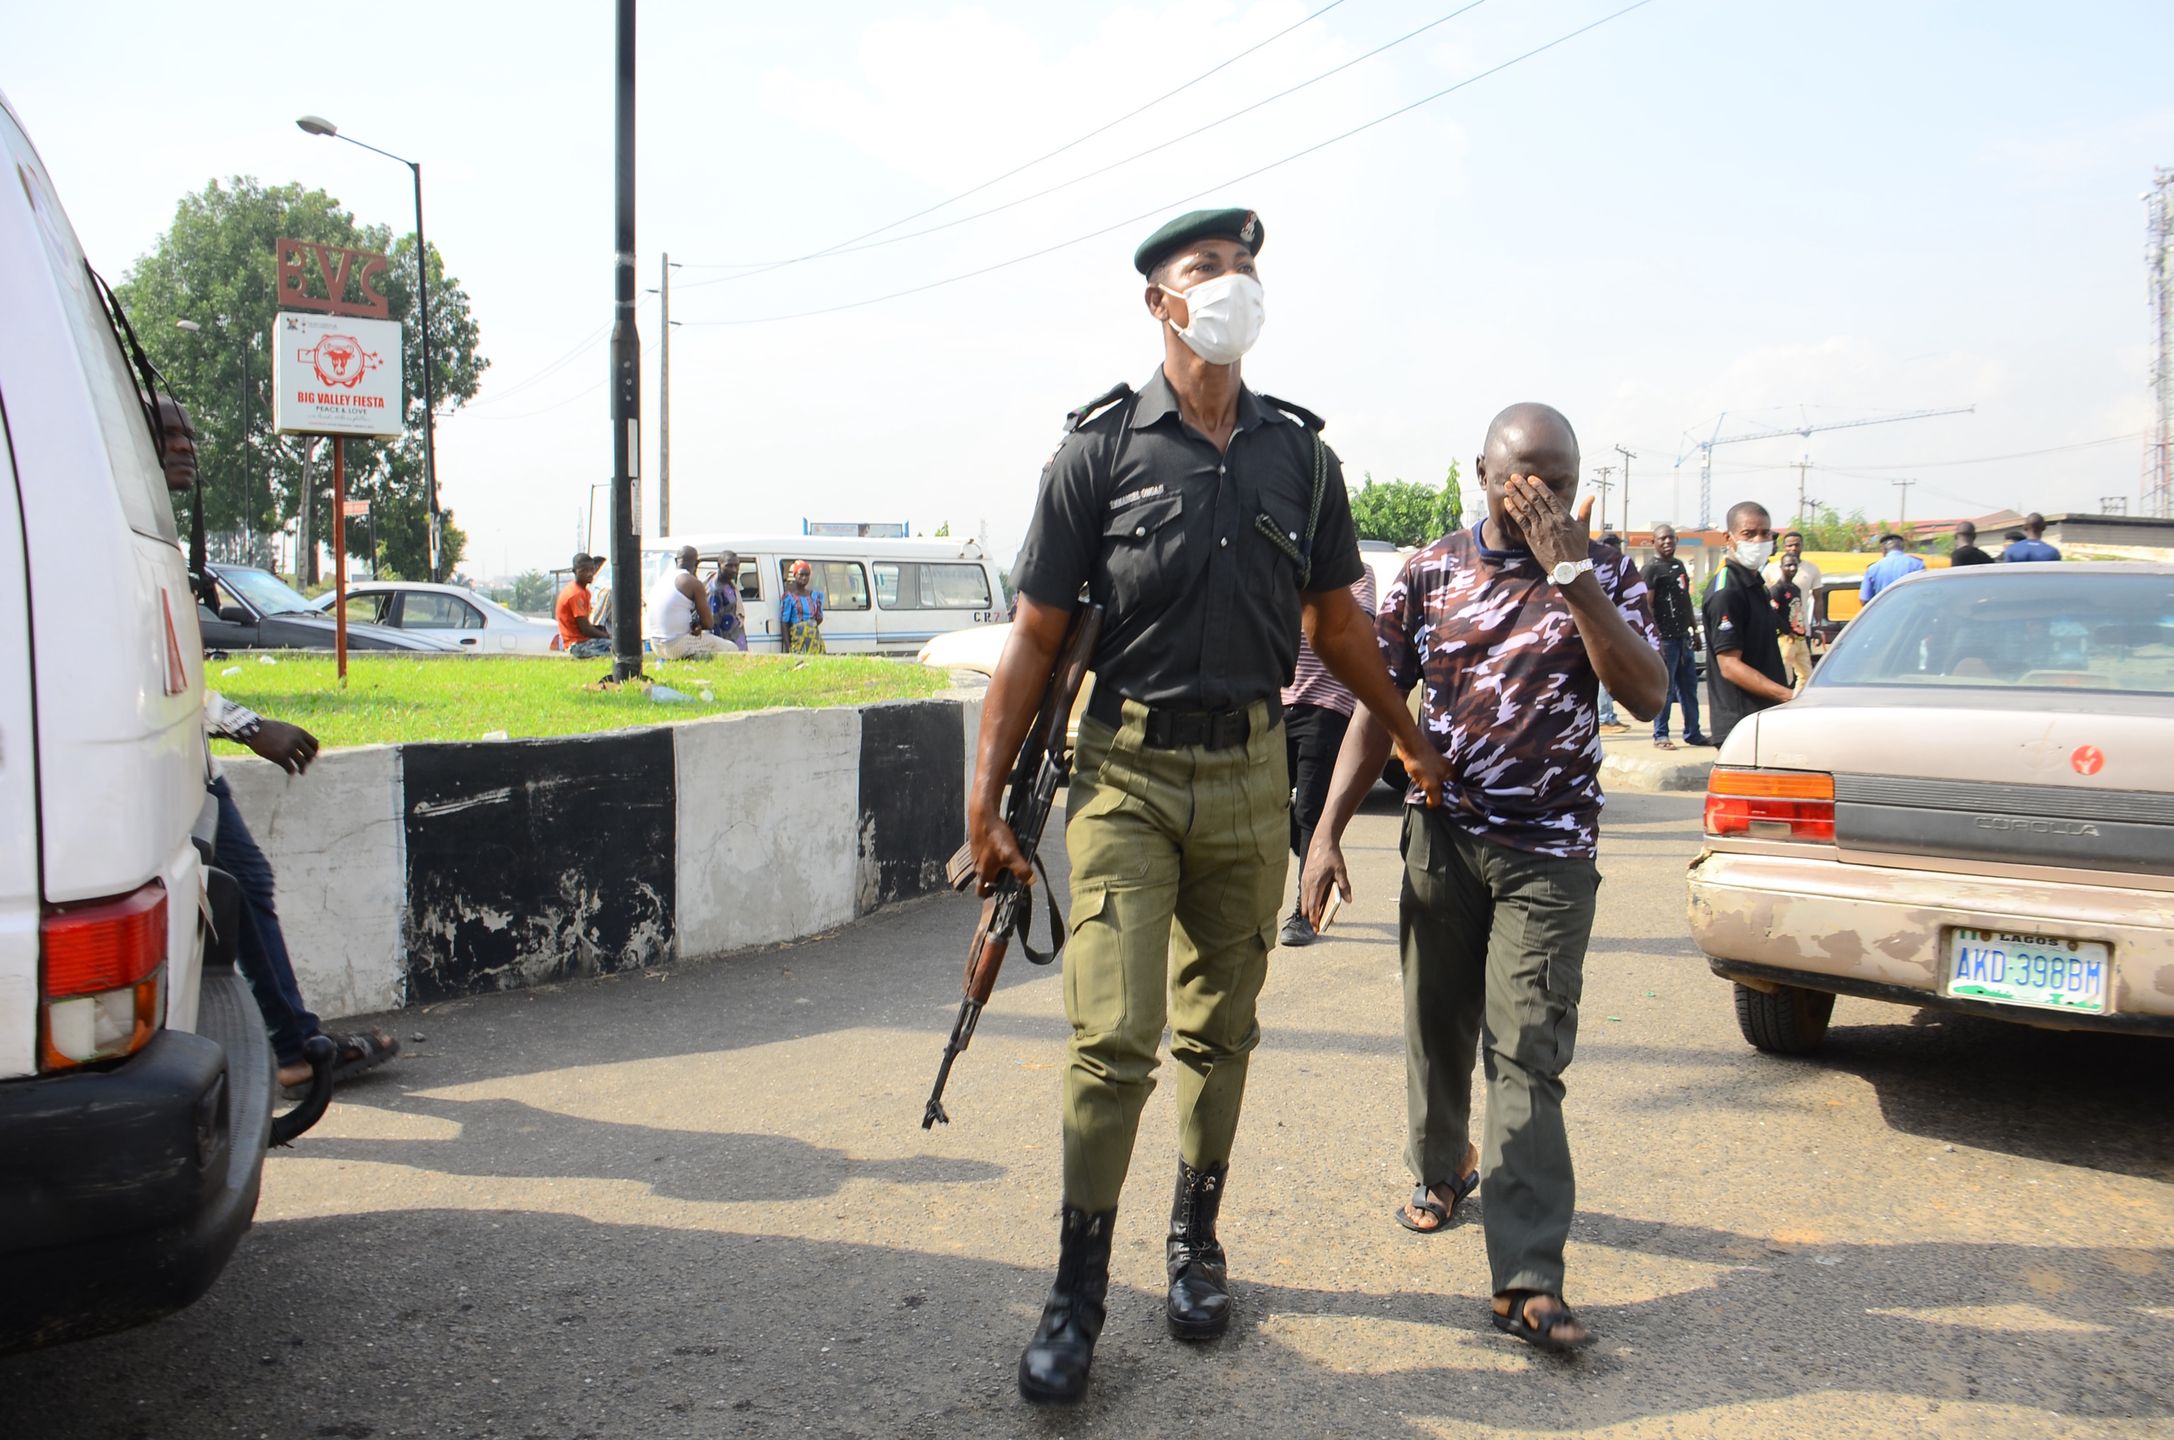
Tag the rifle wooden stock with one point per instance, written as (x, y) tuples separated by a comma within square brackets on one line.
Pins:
[(1043, 764), (986, 957)]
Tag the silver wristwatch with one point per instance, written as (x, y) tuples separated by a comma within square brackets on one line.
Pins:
[(1569, 570)]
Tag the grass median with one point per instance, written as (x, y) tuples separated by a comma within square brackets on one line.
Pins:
[(392, 699)]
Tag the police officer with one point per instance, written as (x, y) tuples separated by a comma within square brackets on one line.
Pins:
[(1209, 521)]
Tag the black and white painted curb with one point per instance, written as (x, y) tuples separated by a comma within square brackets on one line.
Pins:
[(415, 873)]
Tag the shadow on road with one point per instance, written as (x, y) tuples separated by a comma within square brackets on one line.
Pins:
[(497, 1323), (2069, 1098), (2099, 1101), (510, 1139)]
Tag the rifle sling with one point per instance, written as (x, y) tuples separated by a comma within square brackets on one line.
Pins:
[(1024, 927)]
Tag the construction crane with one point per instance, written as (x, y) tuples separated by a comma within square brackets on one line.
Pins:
[(1705, 448)]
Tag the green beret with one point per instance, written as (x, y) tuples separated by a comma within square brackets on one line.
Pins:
[(1242, 226)]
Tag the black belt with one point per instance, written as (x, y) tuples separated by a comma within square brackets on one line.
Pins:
[(1171, 729)]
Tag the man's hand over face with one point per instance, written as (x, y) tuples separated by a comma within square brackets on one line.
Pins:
[(1552, 532)]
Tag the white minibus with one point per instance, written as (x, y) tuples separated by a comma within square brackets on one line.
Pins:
[(882, 597)]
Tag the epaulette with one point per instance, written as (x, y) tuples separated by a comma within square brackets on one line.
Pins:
[(1075, 418), (1299, 413)]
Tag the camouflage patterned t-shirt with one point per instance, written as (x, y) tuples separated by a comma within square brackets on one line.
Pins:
[(1510, 696)]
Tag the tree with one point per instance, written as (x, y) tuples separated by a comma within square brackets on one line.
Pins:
[(1830, 530), (1406, 512), (214, 267), (533, 593)]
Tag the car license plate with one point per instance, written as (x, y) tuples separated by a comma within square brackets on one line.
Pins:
[(2014, 968)]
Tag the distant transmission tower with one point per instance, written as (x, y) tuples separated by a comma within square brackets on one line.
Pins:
[(2159, 274)]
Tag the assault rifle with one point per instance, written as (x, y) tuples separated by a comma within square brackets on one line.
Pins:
[(1044, 764)]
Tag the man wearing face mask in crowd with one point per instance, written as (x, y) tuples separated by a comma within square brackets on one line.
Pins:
[(1211, 524), (1747, 673)]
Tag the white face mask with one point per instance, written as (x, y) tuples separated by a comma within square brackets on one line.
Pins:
[(1752, 554), (1226, 314)]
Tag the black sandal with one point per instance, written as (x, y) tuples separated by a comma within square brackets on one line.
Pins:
[(1540, 1336), (361, 1050), (1423, 1200)]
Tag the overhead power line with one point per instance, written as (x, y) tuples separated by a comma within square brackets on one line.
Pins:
[(2014, 455), (1320, 145), (1158, 148), (502, 395), (560, 404), (1071, 144)]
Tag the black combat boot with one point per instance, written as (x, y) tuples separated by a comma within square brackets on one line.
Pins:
[(1054, 1367), (1199, 1307)]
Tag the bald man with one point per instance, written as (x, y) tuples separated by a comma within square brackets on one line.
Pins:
[(679, 612), (1512, 627)]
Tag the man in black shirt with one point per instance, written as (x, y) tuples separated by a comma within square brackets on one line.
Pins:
[(1791, 614), (1746, 675), (1211, 524), (1966, 546), (1676, 617)]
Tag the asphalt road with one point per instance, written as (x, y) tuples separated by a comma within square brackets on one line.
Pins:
[(699, 1203)]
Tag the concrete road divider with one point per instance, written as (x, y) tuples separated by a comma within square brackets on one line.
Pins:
[(420, 872)]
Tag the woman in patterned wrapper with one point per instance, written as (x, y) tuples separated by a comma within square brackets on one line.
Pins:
[(800, 611)]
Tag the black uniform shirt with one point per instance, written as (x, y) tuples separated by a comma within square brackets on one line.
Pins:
[(1201, 610), (1969, 555), (1740, 617)]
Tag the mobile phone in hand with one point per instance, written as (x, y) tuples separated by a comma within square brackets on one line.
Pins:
[(1328, 911)]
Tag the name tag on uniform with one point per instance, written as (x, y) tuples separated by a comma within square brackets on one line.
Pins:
[(1134, 497)]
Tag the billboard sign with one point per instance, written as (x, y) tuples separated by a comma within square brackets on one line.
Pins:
[(336, 375), (856, 529)]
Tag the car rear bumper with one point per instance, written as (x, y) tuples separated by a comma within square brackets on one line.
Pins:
[(1878, 932), (124, 1191)]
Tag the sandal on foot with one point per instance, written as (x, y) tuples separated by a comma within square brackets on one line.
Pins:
[(1423, 1200), (1540, 1335), (1664, 744), (361, 1050)]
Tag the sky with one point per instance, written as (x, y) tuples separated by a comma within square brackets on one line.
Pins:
[(1700, 218)]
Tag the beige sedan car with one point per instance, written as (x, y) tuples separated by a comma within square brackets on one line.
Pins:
[(1970, 807)]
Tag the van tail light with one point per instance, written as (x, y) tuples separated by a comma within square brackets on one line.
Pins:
[(1770, 805), (103, 980)]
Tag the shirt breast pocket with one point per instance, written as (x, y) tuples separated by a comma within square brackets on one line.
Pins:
[(1144, 550)]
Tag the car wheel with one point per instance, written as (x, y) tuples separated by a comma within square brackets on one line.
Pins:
[(1791, 1021)]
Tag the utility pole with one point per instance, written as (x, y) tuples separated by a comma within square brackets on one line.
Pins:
[(1803, 517), (1604, 486), (1627, 458), (663, 292), (1903, 519), (2159, 265), (626, 376)]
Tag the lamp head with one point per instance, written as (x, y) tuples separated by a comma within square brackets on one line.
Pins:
[(189, 325), (317, 125)]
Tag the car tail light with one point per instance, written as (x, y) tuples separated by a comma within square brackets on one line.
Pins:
[(1771, 805), (103, 980)]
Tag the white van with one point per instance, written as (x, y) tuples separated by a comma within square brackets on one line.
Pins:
[(135, 1081), (883, 597)]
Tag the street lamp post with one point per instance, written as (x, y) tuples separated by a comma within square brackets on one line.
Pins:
[(318, 125)]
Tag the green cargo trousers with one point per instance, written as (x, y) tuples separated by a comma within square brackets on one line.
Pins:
[(1493, 940), (1178, 859)]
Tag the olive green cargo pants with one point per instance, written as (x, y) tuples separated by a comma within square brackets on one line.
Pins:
[(1178, 860), (1493, 940)]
